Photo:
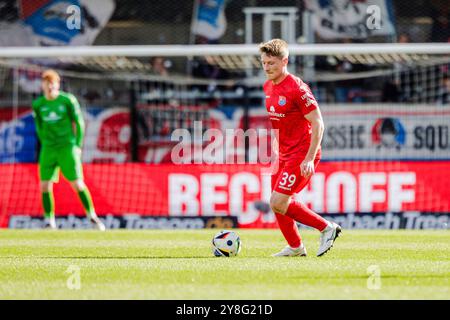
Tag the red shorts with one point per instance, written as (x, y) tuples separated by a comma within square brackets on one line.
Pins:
[(288, 179)]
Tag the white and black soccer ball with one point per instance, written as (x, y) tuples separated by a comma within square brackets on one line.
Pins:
[(226, 243)]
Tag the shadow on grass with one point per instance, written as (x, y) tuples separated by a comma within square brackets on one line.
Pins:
[(130, 257), (105, 257), (365, 277)]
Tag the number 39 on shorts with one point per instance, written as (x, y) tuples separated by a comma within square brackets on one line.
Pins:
[(287, 179)]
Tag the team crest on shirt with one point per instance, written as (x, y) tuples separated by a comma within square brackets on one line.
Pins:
[(281, 100)]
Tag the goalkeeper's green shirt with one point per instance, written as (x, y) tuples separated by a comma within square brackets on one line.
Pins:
[(54, 120)]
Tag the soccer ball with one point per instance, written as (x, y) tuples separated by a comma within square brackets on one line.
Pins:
[(226, 243)]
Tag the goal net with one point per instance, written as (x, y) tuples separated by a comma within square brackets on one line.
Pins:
[(382, 105)]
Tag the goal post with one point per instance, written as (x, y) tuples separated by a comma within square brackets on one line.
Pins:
[(223, 49)]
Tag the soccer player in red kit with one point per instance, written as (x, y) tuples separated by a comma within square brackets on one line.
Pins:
[(294, 112)]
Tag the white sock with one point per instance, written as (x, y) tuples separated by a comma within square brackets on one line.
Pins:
[(328, 227)]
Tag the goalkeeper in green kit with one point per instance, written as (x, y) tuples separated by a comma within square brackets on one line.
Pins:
[(56, 113)]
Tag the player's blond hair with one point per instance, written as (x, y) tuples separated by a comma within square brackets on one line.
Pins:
[(50, 75), (275, 48)]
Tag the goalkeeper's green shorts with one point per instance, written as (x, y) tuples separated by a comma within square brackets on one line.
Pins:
[(65, 158)]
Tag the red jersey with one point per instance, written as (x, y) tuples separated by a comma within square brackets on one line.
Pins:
[(287, 104)]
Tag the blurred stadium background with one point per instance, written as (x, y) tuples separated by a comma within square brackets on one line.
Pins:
[(379, 69)]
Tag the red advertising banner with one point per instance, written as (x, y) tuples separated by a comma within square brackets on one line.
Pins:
[(223, 190)]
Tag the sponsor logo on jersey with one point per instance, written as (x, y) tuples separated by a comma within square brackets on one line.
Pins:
[(304, 87), (275, 114), (309, 98), (52, 117)]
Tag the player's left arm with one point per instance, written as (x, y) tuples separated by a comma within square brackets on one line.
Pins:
[(310, 110), (317, 127), (77, 118)]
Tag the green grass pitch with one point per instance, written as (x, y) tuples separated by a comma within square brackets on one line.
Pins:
[(179, 264)]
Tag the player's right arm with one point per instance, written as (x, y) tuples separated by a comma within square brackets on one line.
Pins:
[(274, 133)]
